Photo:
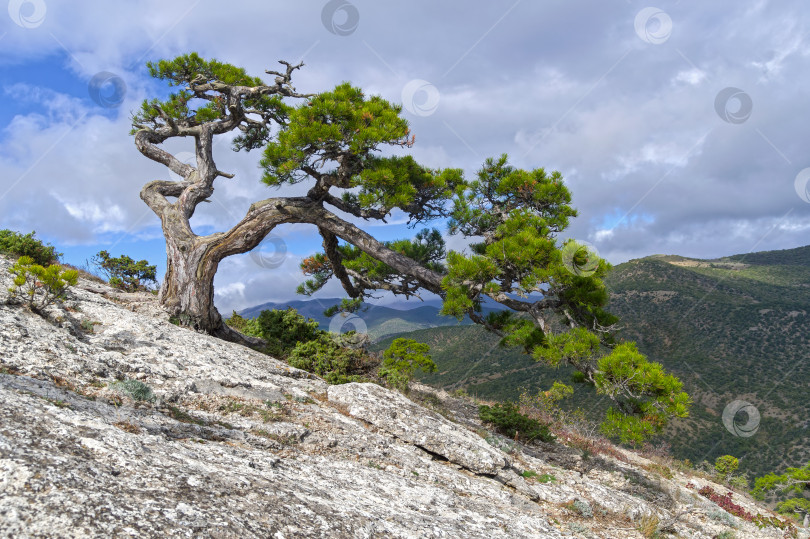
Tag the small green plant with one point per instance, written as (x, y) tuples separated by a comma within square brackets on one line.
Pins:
[(18, 244), (725, 466), (728, 534), (135, 389), (88, 325), (326, 358), (648, 527), (184, 417), (246, 326), (661, 470), (401, 359), (740, 482), (124, 273), (721, 516), (542, 478), (57, 402), (507, 446), (582, 507), (284, 330), (38, 286), (508, 420)]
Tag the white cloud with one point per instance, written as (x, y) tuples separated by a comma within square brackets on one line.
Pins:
[(103, 219), (624, 128), (691, 76)]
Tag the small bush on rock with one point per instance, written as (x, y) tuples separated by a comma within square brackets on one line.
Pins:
[(135, 389), (18, 244), (401, 359), (246, 326), (508, 420), (725, 466), (297, 339), (38, 286), (283, 330), (583, 508), (327, 359), (124, 273)]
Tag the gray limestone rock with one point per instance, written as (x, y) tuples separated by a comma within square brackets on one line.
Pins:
[(238, 444)]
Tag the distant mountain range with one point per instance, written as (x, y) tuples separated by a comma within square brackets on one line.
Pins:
[(377, 320), (732, 329)]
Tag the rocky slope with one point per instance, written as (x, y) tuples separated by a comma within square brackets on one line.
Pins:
[(221, 441)]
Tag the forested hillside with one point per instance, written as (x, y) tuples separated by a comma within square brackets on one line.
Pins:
[(733, 328), (736, 328)]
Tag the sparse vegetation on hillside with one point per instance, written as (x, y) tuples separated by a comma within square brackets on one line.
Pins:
[(17, 244), (124, 273)]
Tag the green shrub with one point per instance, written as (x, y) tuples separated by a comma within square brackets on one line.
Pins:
[(791, 488), (18, 244), (508, 420), (725, 466), (124, 273), (246, 326), (298, 340), (38, 286), (283, 330), (739, 482), (582, 507), (135, 389), (401, 359), (324, 357)]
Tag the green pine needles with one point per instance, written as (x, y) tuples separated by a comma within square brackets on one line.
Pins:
[(37, 286), (124, 273), (791, 488), (402, 359)]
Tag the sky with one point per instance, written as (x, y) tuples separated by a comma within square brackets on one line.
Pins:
[(680, 128)]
